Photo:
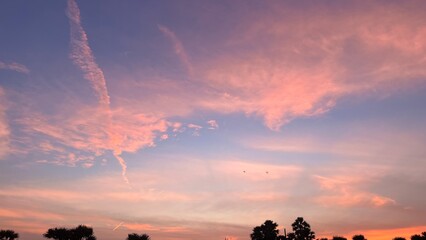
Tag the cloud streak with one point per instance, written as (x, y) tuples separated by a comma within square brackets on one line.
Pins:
[(4, 126), (301, 67), (178, 47), (17, 67), (82, 55)]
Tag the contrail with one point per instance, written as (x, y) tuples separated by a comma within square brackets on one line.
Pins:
[(83, 57), (178, 47), (119, 225), (123, 166)]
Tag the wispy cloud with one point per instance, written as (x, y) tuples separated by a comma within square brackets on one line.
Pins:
[(4, 126), (292, 69), (196, 128), (342, 191), (213, 124), (13, 66), (82, 55), (119, 139), (178, 47), (83, 135)]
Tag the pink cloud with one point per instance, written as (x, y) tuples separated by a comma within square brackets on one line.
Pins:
[(196, 129), (21, 213), (256, 171), (87, 132), (82, 55), (149, 227), (178, 47), (306, 66), (343, 191), (4, 126), (213, 124), (96, 129), (17, 67)]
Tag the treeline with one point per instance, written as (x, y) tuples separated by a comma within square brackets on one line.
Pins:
[(302, 231), (267, 231), (79, 233)]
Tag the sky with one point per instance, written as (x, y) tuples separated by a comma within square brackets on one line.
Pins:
[(202, 119)]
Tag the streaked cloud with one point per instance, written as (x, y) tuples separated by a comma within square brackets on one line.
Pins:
[(306, 66), (343, 192), (178, 47), (339, 85), (82, 55), (4, 126), (13, 66)]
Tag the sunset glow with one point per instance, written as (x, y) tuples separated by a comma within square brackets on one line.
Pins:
[(201, 119)]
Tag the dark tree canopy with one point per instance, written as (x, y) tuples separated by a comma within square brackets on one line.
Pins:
[(79, 233), (358, 237), (339, 238), (266, 231), (419, 237), (135, 236), (398, 238), (82, 233), (8, 235), (58, 234), (301, 230)]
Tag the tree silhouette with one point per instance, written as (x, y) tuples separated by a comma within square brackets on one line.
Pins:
[(358, 237), (58, 234), (398, 238), (419, 237), (301, 230), (8, 235), (79, 233), (135, 236), (82, 233), (339, 238), (266, 231)]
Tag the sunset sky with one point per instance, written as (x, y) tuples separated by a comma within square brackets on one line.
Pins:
[(196, 119)]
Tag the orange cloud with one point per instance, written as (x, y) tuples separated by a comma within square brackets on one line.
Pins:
[(149, 227), (20, 213), (386, 234)]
